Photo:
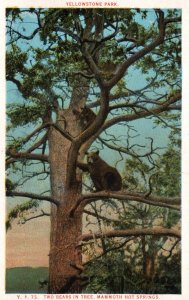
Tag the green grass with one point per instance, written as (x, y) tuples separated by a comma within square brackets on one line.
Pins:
[(25, 280)]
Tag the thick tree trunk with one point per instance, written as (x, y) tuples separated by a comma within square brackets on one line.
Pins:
[(64, 257), (64, 254)]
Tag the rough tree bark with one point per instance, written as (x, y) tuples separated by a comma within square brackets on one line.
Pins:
[(64, 256)]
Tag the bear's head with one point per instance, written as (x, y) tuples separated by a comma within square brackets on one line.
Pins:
[(92, 157)]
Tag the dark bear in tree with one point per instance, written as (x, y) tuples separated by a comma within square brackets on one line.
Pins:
[(85, 116), (103, 176)]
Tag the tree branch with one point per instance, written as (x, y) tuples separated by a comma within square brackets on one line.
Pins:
[(38, 143), (103, 218), (43, 214), (33, 156), (25, 155), (16, 81), (32, 196), (132, 232), (128, 196), (172, 20), (21, 36), (143, 113), (125, 150), (161, 107), (69, 32), (111, 98)]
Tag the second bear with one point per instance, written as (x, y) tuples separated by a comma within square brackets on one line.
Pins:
[(103, 176)]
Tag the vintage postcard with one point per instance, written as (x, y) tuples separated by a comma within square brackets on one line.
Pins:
[(95, 119)]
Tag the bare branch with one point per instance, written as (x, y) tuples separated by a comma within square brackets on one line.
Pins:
[(160, 231), (37, 130), (111, 98), (69, 32), (43, 214), (21, 36), (25, 155), (161, 107), (125, 150), (150, 185), (128, 196), (37, 144), (32, 196), (102, 217), (143, 113), (31, 156)]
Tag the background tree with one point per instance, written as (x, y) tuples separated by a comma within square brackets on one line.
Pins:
[(146, 264), (79, 75)]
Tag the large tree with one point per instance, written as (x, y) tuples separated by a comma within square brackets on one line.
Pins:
[(83, 77)]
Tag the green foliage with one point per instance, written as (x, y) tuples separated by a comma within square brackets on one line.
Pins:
[(165, 176), (22, 114), (19, 212), (172, 218), (166, 65), (115, 273), (13, 14), (167, 181), (107, 274), (136, 173), (15, 61), (168, 278), (122, 271)]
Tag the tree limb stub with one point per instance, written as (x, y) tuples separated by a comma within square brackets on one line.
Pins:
[(173, 203), (160, 231), (32, 196)]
